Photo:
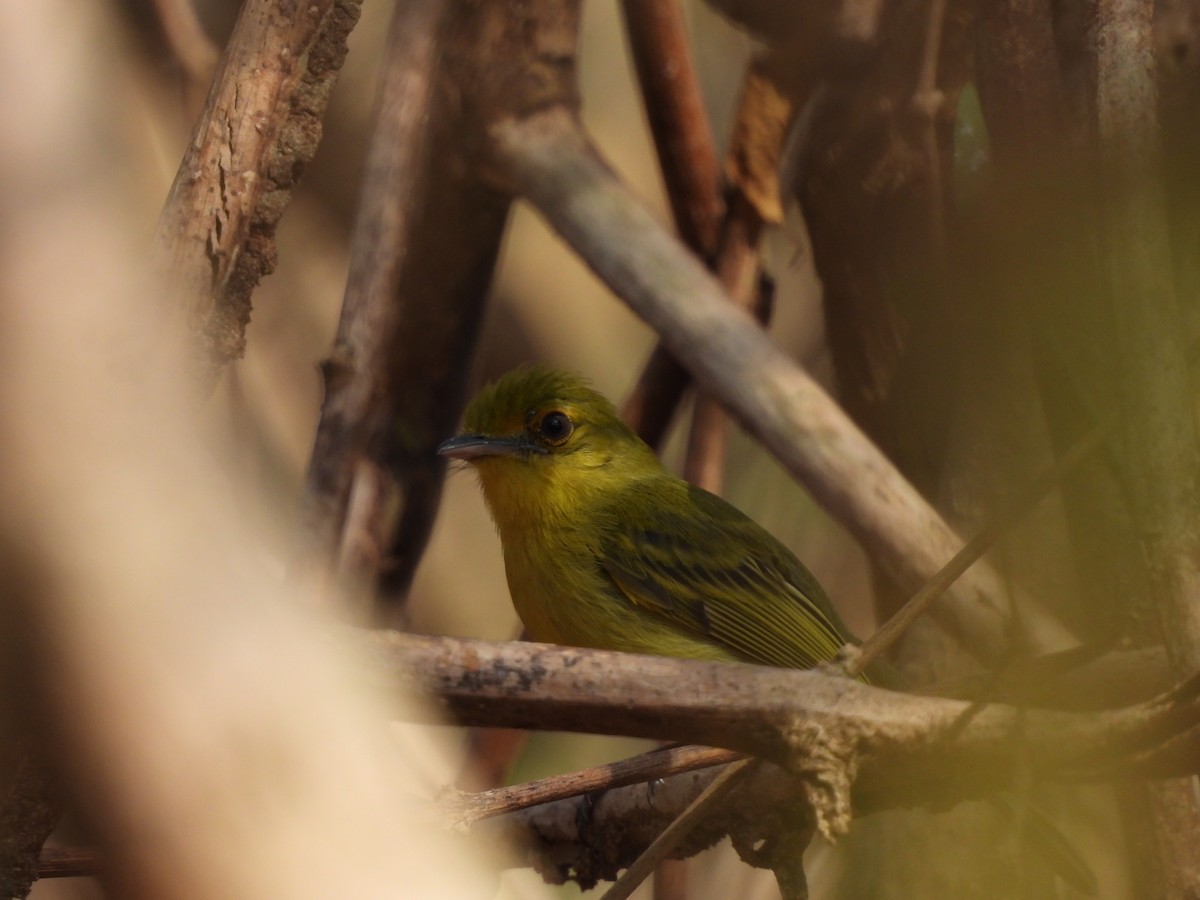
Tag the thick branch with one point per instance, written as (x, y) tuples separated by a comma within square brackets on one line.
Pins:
[(259, 129), (424, 249), (1162, 457), (894, 741), (29, 811), (549, 160), (200, 729)]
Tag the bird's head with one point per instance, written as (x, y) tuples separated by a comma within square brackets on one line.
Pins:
[(542, 441)]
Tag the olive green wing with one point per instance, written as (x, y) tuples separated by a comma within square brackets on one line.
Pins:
[(688, 556)]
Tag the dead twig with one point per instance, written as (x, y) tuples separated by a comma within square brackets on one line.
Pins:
[(671, 836), (688, 162), (678, 119), (464, 809), (973, 550)]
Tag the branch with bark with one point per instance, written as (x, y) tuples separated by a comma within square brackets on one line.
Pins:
[(841, 747), (835, 731), (216, 234)]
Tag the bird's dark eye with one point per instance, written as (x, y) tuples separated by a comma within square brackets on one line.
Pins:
[(555, 427)]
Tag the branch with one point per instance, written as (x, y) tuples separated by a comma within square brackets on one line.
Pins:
[(592, 838), (258, 131), (30, 811), (828, 728), (1153, 389), (201, 729), (548, 159), (840, 741), (688, 163), (753, 166), (678, 120), (425, 245), (463, 808)]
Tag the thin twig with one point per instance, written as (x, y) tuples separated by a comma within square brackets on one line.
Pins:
[(737, 269), (465, 808), (974, 549), (928, 101), (679, 829), (678, 119), (68, 862), (688, 162)]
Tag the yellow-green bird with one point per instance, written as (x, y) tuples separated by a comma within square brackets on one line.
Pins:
[(603, 547)]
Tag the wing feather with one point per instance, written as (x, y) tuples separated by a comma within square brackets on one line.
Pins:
[(709, 570)]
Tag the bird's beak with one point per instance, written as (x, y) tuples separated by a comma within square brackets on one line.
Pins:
[(473, 446)]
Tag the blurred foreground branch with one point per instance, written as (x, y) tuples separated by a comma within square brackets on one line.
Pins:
[(1154, 389), (207, 736)]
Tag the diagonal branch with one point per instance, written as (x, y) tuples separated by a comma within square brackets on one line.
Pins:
[(463, 808), (547, 158), (258, 131)]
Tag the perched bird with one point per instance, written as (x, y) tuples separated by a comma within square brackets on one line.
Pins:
[(603, 547)]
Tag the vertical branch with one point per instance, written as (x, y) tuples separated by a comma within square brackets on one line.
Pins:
[(678, 120), (425, 245), (256, 135), (413, 302), (763, 119), (1162, 459), (725, 237), (688, 162)]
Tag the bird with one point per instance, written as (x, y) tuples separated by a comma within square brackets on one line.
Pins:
[(604, 547)]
